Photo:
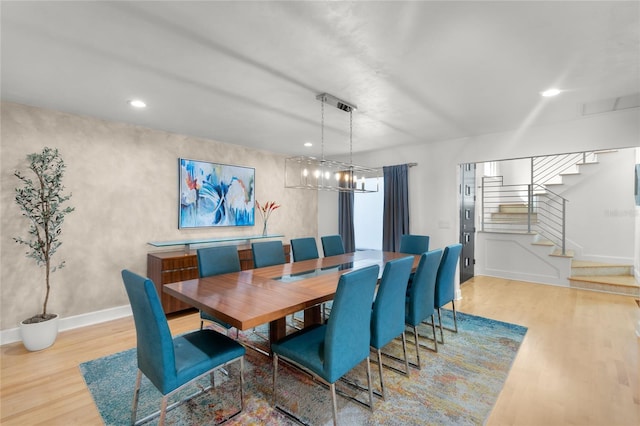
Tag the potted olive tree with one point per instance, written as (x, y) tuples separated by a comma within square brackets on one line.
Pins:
[(41, 202)]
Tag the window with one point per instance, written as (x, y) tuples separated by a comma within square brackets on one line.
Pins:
[(367, 217)]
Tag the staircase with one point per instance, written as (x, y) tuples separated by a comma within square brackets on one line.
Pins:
[(538, 209), (605, 277), (512, 214)]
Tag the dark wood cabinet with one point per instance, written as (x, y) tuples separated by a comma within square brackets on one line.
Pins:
[(172, 266)]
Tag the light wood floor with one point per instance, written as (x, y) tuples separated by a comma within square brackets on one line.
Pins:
[(578, 364)]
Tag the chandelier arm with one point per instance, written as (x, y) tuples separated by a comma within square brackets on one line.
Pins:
[(329, 175), (322, 129), (351, 137)]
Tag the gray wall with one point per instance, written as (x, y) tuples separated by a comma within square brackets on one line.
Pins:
[(124, 184)]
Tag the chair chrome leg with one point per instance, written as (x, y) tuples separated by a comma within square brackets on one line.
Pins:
[(404, 350), (136, 394), (275, 377), (163, 410), (455, 319), (440, 326), (382, 391), (242, 384), (369, 384), (415, 337), (332, 387), (433, 328)]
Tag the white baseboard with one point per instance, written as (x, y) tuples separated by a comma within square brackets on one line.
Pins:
[(13, 334)]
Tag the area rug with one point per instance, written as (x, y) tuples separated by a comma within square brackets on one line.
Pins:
[(456, 386)]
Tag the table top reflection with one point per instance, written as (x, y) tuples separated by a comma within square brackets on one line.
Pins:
[(253, 297)]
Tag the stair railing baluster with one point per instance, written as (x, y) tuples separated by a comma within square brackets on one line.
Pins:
[(529, 206), (483, 201), (564, 218)]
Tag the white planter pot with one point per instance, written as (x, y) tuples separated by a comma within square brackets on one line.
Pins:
[(40, 335)]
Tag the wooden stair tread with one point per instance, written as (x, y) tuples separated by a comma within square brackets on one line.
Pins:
[(590, 264), (616, 280), (509, 231), (558, 253), (543, 243)]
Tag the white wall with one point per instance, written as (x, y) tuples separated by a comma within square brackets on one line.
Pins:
[(433, 184), (600, 200), (124, 184), (515, 172)]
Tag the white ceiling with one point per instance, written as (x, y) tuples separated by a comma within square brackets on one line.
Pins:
[(248, 72)]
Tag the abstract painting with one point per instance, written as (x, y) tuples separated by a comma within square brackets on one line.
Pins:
[(214, 194)]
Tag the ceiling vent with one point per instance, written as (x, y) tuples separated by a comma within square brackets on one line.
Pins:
[(610, 105)]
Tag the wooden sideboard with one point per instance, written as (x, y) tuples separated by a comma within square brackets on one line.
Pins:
[(172, 266)]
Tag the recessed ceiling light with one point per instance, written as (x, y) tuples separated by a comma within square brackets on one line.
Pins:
[(550, 92), (137, 103), (308, 144)]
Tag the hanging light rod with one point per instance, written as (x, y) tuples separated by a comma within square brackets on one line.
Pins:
[(338, 103), (306, 172)]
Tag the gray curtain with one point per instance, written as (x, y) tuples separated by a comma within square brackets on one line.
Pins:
[(395, 219), (345, 220)]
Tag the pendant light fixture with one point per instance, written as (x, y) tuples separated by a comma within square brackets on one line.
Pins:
[(304, 172)]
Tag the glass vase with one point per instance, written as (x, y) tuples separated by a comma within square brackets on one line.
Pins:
[(264, 229)]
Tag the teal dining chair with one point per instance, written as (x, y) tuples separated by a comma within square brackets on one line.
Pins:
[(329, 351), (420, 298), (169, 362), (332, 245), (304, 249), (216, 261), (445, 285), (414, 244), (267, 253), (388, 314)]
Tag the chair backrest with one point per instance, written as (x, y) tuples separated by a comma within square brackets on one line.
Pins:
[(304, 249), (348, 332), (445, 280), (414, 244), (156, 356), (267, 253), (332, 245), (218, 260), (387, 319), (422, 291)]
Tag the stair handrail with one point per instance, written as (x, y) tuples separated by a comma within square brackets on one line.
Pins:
[(546, 167), (548, 207), (560, 201)]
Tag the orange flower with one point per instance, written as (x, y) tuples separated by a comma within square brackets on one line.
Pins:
[(266, 209)]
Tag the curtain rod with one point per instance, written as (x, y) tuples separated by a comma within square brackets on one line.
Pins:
[(412, 164)]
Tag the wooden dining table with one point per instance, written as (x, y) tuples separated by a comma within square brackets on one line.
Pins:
[(253, 297)]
